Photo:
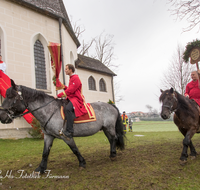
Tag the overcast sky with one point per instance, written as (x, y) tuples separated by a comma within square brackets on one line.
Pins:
[(145, 36)]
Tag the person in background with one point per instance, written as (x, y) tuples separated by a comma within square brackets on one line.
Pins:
[(124, 120), (2, 65), (130, 125)]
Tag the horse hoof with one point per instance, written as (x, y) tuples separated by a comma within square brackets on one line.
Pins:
[(193, 157), (182, 162), (112, 158), (36, 174), (81, 168)]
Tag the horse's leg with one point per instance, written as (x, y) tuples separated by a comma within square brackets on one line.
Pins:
[(75, 150), (112, 139), (193, 153), (186, 143), (48, 141)]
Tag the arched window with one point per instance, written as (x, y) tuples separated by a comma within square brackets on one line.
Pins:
[(91, 83), (40, 66), (102, 85)]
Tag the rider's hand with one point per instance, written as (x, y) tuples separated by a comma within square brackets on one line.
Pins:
[(55, 97), (187, 96)]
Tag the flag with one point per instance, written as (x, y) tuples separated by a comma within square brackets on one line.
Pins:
[(56, 63)]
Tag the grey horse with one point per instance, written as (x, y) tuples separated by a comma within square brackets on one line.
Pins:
[(46, 110)]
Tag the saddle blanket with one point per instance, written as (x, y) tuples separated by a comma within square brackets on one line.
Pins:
[(89, 117)]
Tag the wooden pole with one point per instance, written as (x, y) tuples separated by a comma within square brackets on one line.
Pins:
[(198, 73)]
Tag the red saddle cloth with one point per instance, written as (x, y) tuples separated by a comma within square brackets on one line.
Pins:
[(89, 117)]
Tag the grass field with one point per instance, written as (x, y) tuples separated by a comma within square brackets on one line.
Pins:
[(147, 126), (150, 161)]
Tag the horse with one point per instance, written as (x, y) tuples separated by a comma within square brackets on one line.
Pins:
[(186, 118), (46, 109)]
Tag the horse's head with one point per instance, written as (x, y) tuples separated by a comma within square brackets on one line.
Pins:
[(12, 105), (169, 103)]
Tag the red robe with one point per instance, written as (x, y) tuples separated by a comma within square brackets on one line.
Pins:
[(73, 93), (193, 90)]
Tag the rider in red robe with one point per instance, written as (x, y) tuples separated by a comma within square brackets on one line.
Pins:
[(76, 100), (192, 90)]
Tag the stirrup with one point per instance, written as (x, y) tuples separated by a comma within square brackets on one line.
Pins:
[(61, 132)]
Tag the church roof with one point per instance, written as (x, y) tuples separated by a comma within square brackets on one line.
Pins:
[(92, 64), (51, 8)]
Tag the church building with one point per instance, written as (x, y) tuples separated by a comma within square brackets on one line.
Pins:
[(26, 28)]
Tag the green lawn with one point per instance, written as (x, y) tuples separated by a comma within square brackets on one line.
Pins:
[(148, 126), (149, 162)]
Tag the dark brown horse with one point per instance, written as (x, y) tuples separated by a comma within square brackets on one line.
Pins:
[(186, 117)]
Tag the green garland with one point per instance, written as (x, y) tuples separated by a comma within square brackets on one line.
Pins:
[(189, 47), (54, 80), (111, 102)]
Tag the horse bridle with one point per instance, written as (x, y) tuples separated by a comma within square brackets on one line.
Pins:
[(11, 113), (171, 107)]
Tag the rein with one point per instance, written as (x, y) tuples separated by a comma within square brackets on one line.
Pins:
[(11, 113), (20, 115)]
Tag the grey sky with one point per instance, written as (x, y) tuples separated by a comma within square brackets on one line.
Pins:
[(145, 37)]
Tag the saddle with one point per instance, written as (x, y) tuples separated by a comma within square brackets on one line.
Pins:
[(88, 117)]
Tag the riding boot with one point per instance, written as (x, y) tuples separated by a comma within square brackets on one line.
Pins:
[(68, 131)]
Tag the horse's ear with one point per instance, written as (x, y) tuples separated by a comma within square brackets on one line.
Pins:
[(13, 84), (161, 91), (171, 90)]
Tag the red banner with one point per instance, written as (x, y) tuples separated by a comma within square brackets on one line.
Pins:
[(56, 63)]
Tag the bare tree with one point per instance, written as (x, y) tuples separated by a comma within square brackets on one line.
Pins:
[(101, 48), (178, 74), (188, 10), (77, 28), (84, 50), (104, 48), (149, 108)]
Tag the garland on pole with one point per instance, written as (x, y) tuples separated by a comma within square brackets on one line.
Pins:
[(110, 102), (189, 47), (54, 80)]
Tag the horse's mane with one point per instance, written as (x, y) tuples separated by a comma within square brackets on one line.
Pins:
[(30, 95), (185, 104)]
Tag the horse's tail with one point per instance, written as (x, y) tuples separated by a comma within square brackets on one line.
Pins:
[(120, 143)]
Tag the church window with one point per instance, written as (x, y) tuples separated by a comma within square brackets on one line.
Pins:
[(91, 83), (40, 67), (102, 85)]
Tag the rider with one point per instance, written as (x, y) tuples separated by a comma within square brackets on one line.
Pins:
[(192, 90), (76, 100)]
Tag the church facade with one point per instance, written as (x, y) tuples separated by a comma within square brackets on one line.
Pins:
[(26, 28)]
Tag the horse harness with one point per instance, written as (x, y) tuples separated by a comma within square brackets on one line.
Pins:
[(171, 106), (10, 112)]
